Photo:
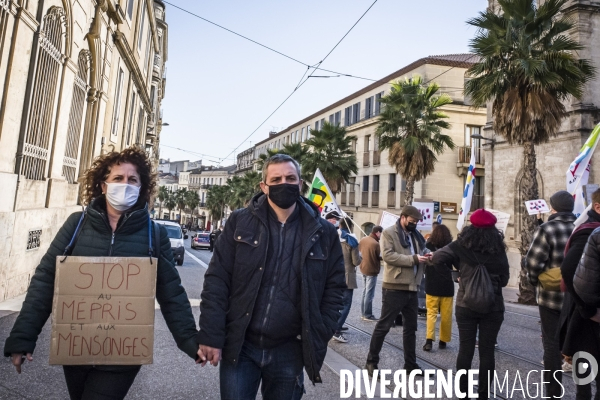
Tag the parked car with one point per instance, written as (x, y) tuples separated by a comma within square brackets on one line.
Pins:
[(176, 236), (201, 240)]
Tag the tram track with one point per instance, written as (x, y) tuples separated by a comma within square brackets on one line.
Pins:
[(423, 362)]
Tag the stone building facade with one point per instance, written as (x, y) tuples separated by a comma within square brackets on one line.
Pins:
[(77, 78), (504, 163)]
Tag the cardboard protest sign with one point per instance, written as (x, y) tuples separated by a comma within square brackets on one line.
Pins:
[(537, 206), (103, 311), (426, 210), (502, 220)]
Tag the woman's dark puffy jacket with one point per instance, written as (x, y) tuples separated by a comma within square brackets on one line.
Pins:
[(587, 275), (130, 240)]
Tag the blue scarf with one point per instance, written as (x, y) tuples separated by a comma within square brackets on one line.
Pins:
[(351, 240)]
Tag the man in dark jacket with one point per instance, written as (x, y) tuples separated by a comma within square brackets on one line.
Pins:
[(546, 253), (577, 331), (272, 293)]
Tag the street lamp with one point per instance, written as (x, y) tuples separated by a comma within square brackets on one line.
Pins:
[(478, 136)]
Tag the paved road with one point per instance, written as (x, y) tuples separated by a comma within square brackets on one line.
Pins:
[(174, 376)]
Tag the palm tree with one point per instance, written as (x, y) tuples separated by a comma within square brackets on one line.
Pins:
[(192, 199), (298, 152), (330, 150), (410, 127), (163, 194), (265, 156), (180, 200), (216, 199), (170, 203), (527, 69)]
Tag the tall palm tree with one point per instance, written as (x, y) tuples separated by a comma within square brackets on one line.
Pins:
[(192, 199), (170, 203), (180, 200), (163, 194), (330, 150), (217, 198), (527, 70), (410, 127)]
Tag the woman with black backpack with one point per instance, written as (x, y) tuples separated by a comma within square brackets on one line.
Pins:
[(479, 253)]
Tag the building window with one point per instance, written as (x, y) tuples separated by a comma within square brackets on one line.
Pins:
[(322, 122), (39, 124), (316, 125), (117, 110), (378, 97), (76, 113), (152, 95), (302, 138), (471, 130), (331, 119), (355, 113), (308, 132), (353, 145), (376, 183), (142, 22), (130, 9), (140, 126), (148, 40), (348, 116), (365, 184), (392, 183), (367, 143), (337, 119), (130, 122), (369, 108)]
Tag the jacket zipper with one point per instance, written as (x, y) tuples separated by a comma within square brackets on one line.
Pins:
[(112, 239), (273, 283)]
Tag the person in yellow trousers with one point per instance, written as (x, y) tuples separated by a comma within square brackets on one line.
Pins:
[(439, 290)]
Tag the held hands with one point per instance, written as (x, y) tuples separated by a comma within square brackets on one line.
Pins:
[(207, 354), (19, 358), (426, 258)]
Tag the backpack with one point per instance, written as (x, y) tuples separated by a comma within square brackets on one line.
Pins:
[(478, 288)]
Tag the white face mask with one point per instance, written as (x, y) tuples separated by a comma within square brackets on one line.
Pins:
[(122, 196)]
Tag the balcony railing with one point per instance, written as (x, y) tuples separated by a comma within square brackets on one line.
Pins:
[(366, 155), (391, 203), (365, 199), (464, 155), (376, 157), (374, 199), (477, 202), (202, 205), (206, 186)]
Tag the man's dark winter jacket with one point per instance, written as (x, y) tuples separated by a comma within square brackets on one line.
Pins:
[(276, 318), (130, 240), (587, 275), (233, 280), (466, 261), (577, 331)]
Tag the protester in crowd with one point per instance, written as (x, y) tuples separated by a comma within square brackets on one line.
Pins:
[(434, 225), (479, 253), (352, 258), (370, 268), (273, 291), (439, 289), (334, 218), (543, 261), (578, 332), (403, 251), (115, 223)]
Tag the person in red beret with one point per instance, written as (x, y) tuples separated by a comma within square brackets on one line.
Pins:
[(479, 253)]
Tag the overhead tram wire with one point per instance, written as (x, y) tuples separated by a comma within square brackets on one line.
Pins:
[(265, 46), (208, 157), (303, 82)]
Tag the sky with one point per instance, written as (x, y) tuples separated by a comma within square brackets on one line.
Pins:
[(221, 87)]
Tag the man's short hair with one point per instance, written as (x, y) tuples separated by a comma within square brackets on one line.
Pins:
[(377, 229), (333, 214), (345, 223), (279, 159), (596, 197)]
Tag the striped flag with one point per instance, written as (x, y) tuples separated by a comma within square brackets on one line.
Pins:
[(320, 194), (579, 171), (465, 206)]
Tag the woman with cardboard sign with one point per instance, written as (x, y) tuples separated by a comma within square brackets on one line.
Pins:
[(116, 246)]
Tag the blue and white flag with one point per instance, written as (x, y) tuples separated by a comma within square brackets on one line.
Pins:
[(579, 171), (465, 205)]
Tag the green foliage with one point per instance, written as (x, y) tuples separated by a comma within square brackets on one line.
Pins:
[(410, 126), (527, 66), (330, 150)]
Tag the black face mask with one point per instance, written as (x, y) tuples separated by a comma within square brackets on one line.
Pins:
[(284, 195), (411, 227)]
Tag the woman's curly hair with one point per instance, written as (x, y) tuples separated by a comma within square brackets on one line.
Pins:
[(440, 237), (482, 240), (102, 165)]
